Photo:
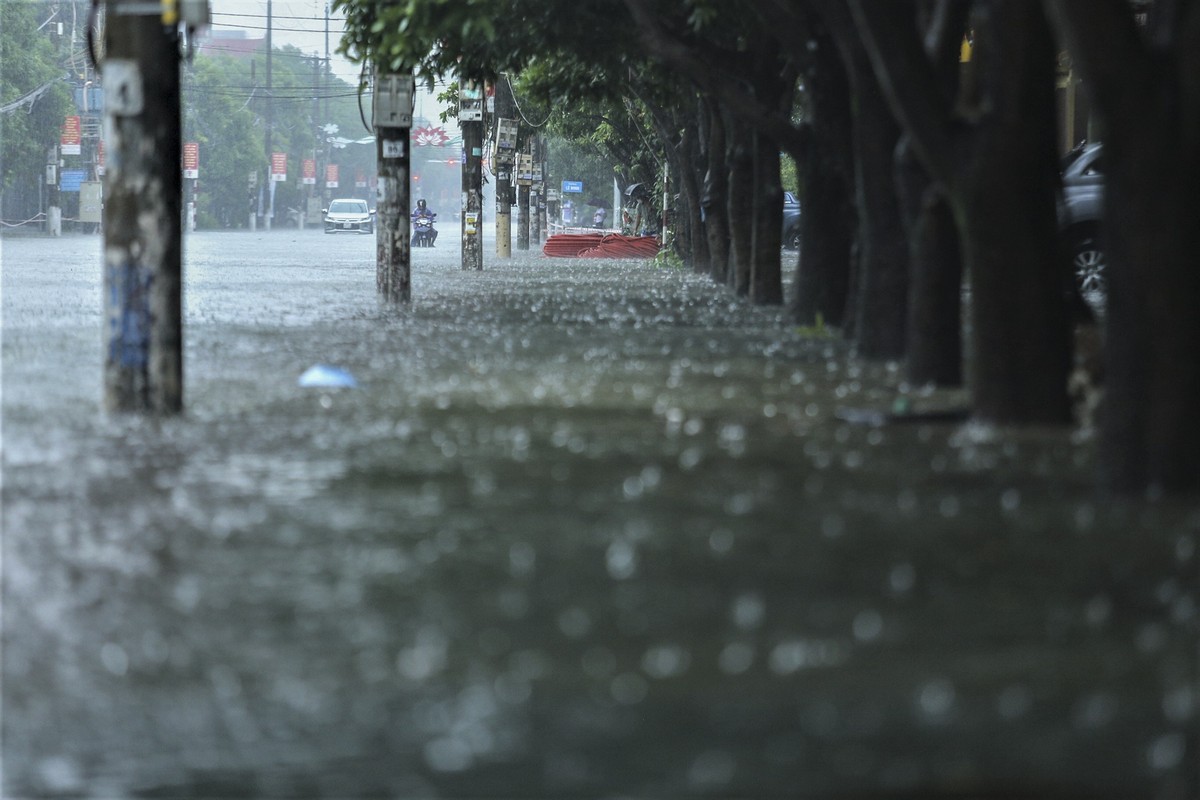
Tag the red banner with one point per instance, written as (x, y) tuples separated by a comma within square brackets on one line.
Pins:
[(279, 166), (191, 160), (309, 172), (331, 176), (72, 137)]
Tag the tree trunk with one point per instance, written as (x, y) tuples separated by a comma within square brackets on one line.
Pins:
[(1021, 336), (713, 199), (828, 216), (689, 183), (1143, 85), (934, 351), (741, 207), (995, 153), (882, 296), (879, 286), (766, 282)]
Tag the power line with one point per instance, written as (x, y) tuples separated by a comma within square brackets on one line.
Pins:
[(241, 26), (273, 16)]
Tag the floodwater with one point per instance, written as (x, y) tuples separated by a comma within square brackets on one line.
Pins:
[(583, 529)]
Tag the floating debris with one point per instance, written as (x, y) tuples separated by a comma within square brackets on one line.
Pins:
[(324, 376)]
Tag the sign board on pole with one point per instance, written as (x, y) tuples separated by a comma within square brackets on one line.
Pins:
[(91, 201), (191, 160), (572, 187), (72, 137), (360, 180), (279, 166), (331, 176), (309, 172), (69, 180)]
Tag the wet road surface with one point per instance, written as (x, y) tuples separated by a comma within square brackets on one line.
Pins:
[(584, 529)]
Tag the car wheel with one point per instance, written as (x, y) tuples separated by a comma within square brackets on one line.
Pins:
[(792, 239), (1090, 266)]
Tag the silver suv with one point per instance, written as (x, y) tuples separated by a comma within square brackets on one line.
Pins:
[(1083, 216)]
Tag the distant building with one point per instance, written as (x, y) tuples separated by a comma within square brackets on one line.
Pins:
[(233, 43)]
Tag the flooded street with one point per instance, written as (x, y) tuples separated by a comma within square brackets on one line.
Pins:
[(584, 528)]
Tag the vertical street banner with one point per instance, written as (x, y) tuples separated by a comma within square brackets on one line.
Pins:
[(100, 158), (72, 137), (360, 180), (191, 160), (278, 167), (309, 172), (331, 176)]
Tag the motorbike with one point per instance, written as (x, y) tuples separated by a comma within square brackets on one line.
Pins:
[(423, 232)]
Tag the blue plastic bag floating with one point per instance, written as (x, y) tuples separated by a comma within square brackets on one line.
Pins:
[(323, 376)]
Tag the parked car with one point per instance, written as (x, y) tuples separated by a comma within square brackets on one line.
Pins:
[(791, 221), (1082, 216), (349, 216)]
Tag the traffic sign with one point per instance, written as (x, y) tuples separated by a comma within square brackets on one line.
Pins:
[(575, 187)]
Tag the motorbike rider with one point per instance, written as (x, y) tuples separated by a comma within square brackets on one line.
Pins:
[(423, 213)]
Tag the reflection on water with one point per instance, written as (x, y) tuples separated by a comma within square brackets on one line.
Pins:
[(584, 529)]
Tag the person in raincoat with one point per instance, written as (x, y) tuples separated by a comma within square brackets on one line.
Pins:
[(424, 234)]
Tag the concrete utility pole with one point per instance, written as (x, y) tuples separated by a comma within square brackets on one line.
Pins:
[(506, 145), (393, 109), (53, 209), (143, 331), (269, 214), (537, 195), (524, 180), (470, 120)]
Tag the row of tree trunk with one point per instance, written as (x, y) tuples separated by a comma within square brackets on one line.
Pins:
[(924, 181)]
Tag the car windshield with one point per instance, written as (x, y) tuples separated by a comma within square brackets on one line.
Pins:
[(348, 207)]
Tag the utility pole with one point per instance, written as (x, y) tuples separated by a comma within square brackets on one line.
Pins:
[(53, 209), (537, 195), (470, 120), (393, 109), (269, 215), (524, 180), (143, 330), (506, 146)]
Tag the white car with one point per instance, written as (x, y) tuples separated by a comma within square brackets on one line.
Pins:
[(349, 216)]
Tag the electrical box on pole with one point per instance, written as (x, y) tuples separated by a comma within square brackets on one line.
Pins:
[(392, 110), (470, 120), (143, 280)]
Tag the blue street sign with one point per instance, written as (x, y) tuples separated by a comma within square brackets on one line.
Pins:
[(572, 186), (69, 180)]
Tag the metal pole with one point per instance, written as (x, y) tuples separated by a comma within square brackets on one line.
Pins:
[(143, 332)]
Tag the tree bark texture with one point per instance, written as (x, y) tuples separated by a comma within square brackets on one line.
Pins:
[(741, 207), (1145, 87), (713, 197), (697, 243), (997, 159), (880, 297), (828, 215), (766, 281), (934, 351)]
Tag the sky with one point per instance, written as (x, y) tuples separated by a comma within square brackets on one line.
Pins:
[(301, 23)]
